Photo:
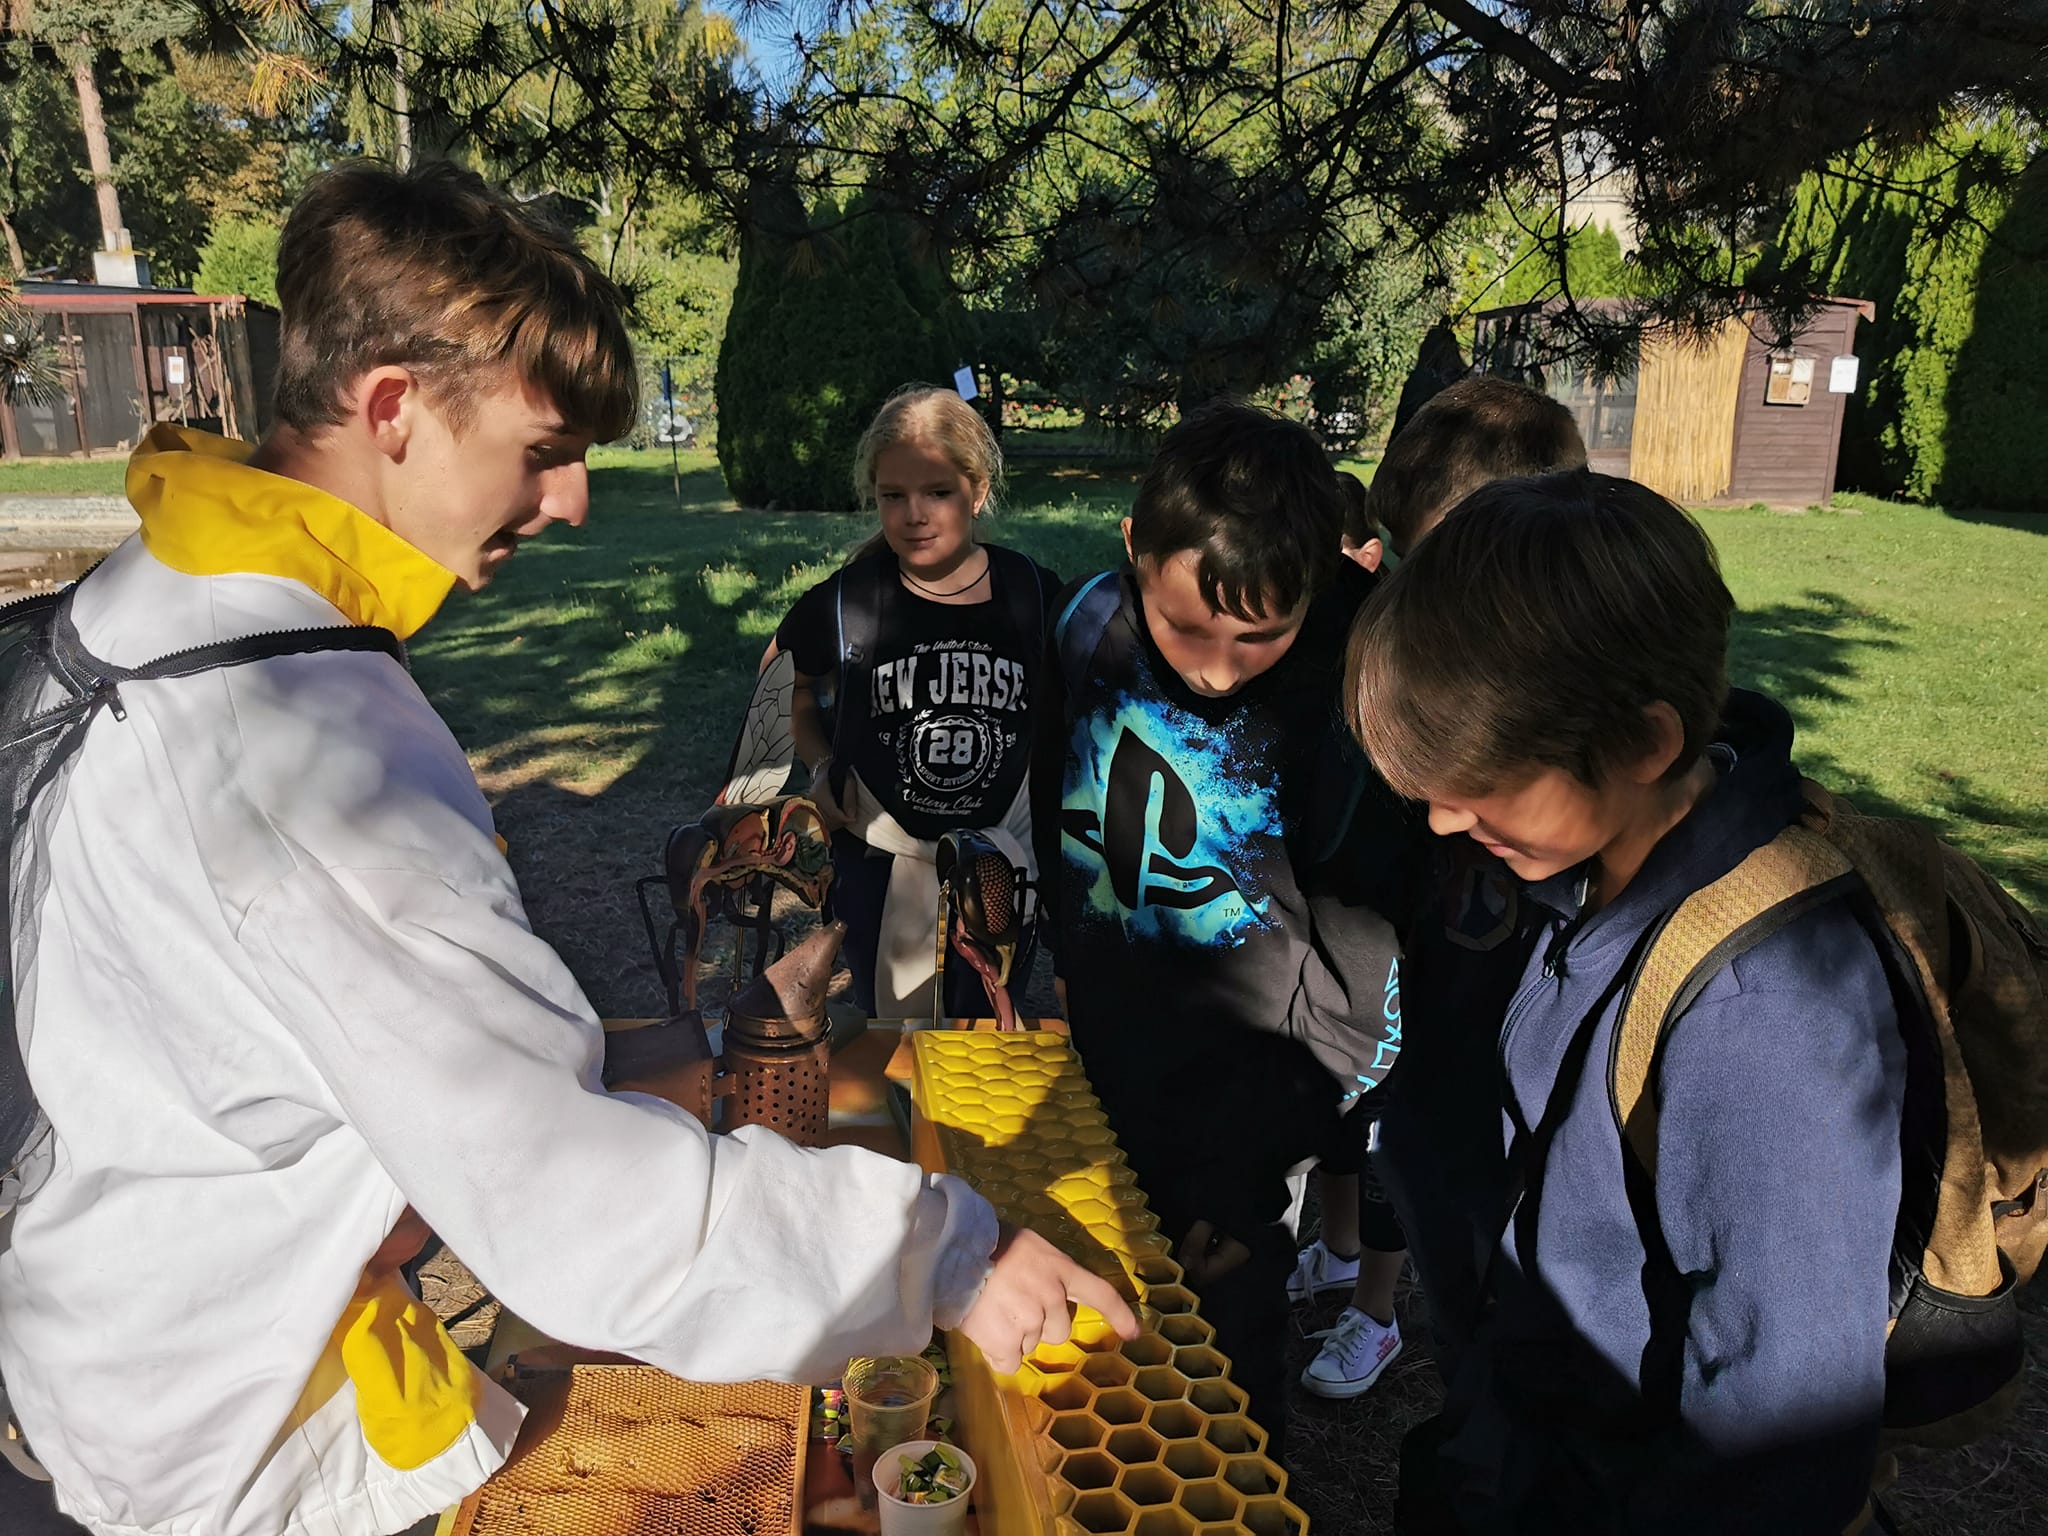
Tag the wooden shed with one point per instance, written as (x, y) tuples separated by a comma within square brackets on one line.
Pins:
[(132, 357), (1730, 420)]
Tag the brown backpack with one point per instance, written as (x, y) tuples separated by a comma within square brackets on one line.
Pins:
[(1970, 969)]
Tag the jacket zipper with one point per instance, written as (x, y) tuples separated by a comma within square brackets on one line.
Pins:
[(110, 687), (137, 674), (1553, 969), (1524, 1000)]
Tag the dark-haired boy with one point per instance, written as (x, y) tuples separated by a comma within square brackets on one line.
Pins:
[(1219, 855), (1700, 1347), (1469, 434)]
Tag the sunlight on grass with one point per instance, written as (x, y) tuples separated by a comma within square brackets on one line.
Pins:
[(727, 584)]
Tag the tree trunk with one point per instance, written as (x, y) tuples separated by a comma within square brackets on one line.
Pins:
[(93, 119), (15, 259), (401, 96)]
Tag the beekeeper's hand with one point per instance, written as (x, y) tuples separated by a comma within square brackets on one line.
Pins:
[(1026, 1300), (402, 1244)]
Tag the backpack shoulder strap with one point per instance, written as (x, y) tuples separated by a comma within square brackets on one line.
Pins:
[(1021, 588), (857, 606), (1081, 624), (1791, 875)]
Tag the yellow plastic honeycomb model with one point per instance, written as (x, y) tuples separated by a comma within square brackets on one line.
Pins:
[(1149, 1437)]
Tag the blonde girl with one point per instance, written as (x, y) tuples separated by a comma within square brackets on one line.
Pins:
[(917, 667)]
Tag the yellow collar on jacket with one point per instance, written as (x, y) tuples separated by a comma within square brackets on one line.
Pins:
[(206, 512)]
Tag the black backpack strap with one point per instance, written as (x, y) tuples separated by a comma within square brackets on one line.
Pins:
[(859, 609), (1528, 1153), (1081, 625), (1526, 1167), (1020, 588)]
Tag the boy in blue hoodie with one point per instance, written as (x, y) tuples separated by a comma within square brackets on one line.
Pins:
[(1701, 1348)]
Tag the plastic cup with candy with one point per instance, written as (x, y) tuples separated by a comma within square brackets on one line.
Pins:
[(924, 1488)]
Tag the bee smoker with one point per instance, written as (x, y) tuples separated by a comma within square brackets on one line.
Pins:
[(777, 1050)]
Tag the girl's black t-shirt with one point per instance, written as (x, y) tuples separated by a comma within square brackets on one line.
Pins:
[(944, 738)]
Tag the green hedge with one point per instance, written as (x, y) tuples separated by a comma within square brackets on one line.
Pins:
[(1952, 396), (1593, 261), (823, 329), (240, 256)]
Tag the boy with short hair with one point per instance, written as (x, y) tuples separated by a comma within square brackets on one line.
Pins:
[(1698, 1347), (1471, 433), (1363, 542), (1219, 857), (1475, 431), (284, 994)]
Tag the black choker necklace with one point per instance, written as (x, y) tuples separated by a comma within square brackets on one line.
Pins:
[(935, 592)]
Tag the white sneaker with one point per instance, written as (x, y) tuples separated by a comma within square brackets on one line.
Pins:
[(1319, 1272), (1353, 1355)]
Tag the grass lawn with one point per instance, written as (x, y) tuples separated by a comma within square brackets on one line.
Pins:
[(63, 477)]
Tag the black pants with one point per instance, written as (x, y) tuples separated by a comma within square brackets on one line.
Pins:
[(1348, 1153), (1247, 1307), (1423, 1505), (1249, 1310), (1211, 1120)]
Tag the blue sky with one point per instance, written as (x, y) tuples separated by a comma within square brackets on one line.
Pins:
[(767, 30)]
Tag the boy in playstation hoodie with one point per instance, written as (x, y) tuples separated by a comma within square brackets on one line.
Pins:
[(1220, 861)]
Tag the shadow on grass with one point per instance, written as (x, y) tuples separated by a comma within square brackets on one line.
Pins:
[(1806, 652), (598, 684), (2020, 522)]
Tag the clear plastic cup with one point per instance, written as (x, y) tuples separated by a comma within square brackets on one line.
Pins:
[(889, 1399), (888, 1402), (901, 1519)]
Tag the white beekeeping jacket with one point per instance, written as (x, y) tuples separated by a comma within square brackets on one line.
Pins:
[(280, 985)]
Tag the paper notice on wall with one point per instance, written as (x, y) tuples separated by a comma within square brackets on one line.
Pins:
[(963, 380), (174, 369), (1842, 376)]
